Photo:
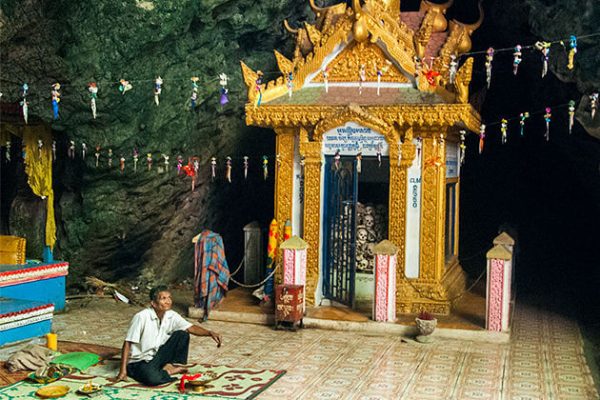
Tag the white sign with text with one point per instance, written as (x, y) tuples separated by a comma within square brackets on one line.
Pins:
[(352, 138), (413, 215)]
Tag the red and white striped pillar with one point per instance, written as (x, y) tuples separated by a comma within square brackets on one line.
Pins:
[(294, 261), (498, 293), (384, 303)]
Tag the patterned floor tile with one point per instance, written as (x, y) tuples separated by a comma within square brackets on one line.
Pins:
[(544, 359)]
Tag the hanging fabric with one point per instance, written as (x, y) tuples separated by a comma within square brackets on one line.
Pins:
[(211, 272)]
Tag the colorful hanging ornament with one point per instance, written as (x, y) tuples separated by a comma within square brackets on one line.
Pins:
[(122, 164), (136, 156), (245, 167), (53, 150), (544, 47), (24, 90), (166, 162), (110, 154), (149, 161), (157, 89), (124, 86), (55, 99), (25, 109), (71, 150), (572, 51), (453, 68), (228, 169), (289, 80), (504, 129), (488, 66), (191, 171), (40, 145), (83, 150), (523, 117), (258, 87), (97, 154), (547, 118), (196, 165), (362, 77), (516, 59), (265, 163), (7, 152), (481, 138), (593, 104), (93, 89), (224, 99), (571, 115), (179, 164), (194, 96), (380, 72), (213, 167), (325, 72), (431, 77), (379, 154), (462, 146), (336, 160), (359, 162)]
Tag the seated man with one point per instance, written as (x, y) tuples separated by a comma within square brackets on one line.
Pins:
[(158, 340)]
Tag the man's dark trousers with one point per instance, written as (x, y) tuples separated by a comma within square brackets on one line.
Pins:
[(151, 373)]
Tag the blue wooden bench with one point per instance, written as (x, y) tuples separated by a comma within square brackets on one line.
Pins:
[(29, 294)]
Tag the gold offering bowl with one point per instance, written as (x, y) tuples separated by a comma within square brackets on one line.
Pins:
[(202, 383)]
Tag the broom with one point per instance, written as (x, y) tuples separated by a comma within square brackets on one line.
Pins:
[(119, 293)]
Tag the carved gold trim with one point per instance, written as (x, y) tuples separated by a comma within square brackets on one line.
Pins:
[(345, 67), (312, 215), (284, 179), (417, 115), (353, 112)]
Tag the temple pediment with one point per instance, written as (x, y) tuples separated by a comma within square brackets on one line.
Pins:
[(345, 67), (413, 48)]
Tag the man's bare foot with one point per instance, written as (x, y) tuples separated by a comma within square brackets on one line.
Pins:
[(188, 365), (174, 370)]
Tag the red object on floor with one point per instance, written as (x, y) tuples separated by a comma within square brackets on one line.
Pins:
[(185, 378), (289, 303)]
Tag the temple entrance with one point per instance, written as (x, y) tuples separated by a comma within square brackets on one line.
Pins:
[(341, 185), (371, 225), (355, 220)]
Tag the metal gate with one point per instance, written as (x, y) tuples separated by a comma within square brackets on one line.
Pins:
[(339, 230)]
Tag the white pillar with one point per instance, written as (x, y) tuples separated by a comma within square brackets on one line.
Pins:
[(498, 293), (384, 302), (294, 263)]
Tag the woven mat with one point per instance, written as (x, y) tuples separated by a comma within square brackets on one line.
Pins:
[(231, 383), (105, 352)]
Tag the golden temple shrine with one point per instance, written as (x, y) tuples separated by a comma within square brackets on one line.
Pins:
[(368, 113)]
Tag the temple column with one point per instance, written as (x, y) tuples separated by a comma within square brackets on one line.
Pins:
[(427, 291), (284, 181), (312, 216)]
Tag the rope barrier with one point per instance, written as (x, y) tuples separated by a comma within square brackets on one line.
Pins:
[(256, 284)]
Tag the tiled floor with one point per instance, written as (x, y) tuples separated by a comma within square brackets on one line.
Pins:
[(543, 361)]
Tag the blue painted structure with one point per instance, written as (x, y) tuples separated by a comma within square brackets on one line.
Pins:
[(29, 329), (46, 291)]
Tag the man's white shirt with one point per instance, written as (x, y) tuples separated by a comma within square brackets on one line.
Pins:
[(147, 333)]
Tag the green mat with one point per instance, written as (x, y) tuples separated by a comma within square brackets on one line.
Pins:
[(232, 383), (77, 359)]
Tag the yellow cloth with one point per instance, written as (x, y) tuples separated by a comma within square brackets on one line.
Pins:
[(38, 167)]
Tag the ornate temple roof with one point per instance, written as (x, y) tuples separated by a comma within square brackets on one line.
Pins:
[(406, 56)]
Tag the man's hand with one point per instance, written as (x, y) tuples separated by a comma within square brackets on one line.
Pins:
[(119, 378), (216, 337)]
